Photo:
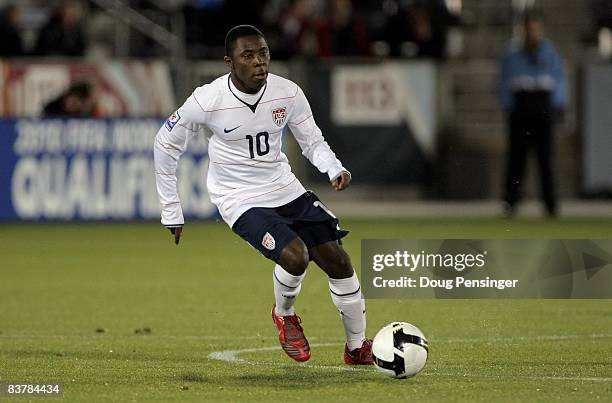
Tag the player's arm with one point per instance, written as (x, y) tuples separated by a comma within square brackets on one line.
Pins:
[(170, 143), (168, 147), (313, 145)]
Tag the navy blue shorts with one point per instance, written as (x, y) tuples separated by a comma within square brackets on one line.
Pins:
[(269, 230)]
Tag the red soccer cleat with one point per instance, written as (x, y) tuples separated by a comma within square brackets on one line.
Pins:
[(291, 336), (359, 356)]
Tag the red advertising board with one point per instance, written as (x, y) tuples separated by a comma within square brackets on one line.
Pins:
[(123, 88)]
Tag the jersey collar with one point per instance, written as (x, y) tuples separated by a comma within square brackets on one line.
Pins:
[(236, 91)]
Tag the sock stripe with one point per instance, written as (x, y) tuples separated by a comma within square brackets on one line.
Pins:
[(347, 294), (284, 285)]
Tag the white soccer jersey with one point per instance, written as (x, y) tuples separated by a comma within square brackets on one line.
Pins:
[(247, 167)]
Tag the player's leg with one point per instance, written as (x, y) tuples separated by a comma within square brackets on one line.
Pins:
[(319, 229), (544, 152), (516, 158), (346, 294), (268, 232), (288, 275), (287, 278)]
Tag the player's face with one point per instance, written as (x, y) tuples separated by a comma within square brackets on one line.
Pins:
[(249, 63)]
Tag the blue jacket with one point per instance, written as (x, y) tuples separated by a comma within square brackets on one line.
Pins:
[(519, 73)]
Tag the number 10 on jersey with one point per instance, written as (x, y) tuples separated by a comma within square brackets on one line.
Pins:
[(259, 144)]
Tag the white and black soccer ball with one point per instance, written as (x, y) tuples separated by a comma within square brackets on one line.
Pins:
[(400, 350)]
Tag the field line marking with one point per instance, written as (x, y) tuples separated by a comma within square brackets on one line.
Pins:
[(524, 338), (509, 339), (552, 378), (232, 356)]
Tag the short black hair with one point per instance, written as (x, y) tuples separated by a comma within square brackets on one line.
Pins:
[(238, 32)]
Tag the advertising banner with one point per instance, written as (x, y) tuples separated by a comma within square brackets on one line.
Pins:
[(597, 142), (86, 169), (389, 94), (380, 119)]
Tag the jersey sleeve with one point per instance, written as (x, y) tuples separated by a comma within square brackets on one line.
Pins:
[(311, 141), (170, 143), (559, 94)]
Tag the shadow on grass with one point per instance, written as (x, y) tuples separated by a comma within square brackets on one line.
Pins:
[(285, 377), (195, 370)]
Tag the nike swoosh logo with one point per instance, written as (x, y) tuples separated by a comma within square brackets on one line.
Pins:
[(230, 130)]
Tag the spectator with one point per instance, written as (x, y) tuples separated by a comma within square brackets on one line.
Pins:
[(342, 32), (79, 100), (63, 34), (532, 91), (295, 30), (11, 43), (417, 30)]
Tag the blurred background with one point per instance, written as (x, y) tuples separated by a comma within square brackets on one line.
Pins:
[(407, 93)]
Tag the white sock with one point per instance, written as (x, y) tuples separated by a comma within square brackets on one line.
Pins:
[(286, 289), (346, 294)]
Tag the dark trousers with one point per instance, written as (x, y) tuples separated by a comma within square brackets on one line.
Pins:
[(528, 131)]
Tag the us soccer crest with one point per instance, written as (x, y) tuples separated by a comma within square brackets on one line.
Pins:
[(279, 115), (268, 241)]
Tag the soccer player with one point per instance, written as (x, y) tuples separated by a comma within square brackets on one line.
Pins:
[(243, 114)]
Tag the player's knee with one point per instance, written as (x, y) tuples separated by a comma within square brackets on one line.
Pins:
[(344, 269), (340, 265), (295, 258), (344, 261)]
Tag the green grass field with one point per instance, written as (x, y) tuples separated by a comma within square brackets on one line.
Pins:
[(60, 285)]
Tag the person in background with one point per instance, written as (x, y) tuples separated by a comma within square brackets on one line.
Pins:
[(11, 44), (342, 31), (295, 30), (417, 29), (78, 101), (532, 92), (63, 35)]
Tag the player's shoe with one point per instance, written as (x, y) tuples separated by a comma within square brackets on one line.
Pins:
[(359, 356), (291, 336)]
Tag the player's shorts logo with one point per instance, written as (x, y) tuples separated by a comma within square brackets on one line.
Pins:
[(268, 241), (172, 120), (279, 115)]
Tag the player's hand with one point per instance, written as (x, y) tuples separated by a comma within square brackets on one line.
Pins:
[(342, 181), (176, 231)]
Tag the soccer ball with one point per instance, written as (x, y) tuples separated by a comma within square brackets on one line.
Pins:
[(400, 350)]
